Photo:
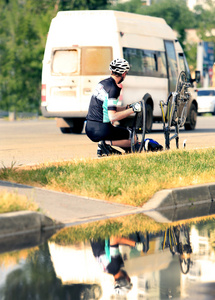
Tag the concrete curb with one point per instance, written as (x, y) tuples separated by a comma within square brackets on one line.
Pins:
[(181, 196), (24, 222), (181, 203), (25, 229)]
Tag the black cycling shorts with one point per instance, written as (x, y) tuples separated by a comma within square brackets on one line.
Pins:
[(97, 131)]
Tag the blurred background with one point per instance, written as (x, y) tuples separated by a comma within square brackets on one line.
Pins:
[(24, 26)]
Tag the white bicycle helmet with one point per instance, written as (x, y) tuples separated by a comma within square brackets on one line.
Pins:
[(119, 65)]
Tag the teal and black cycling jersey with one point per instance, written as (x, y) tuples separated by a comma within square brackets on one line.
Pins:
[(104, 98)]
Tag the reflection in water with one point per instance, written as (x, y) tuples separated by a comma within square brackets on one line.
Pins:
[(175, 263), (178, 240)]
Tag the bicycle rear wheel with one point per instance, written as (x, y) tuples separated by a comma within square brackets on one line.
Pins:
[(138, 129), (182, 78), (170, 109)]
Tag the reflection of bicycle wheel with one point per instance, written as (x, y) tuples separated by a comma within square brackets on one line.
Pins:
[(184, 265), (138, 129)]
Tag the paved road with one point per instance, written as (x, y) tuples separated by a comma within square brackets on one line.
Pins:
[(36, 141)]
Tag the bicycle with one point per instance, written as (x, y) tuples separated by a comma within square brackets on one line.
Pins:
[(138, 129), (176, 110)]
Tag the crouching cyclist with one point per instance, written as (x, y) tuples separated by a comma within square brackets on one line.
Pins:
[(103, 112)]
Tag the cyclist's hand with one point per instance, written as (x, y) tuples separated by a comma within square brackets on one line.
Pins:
[(136, 106)]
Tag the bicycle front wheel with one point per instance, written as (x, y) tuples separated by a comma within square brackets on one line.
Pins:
[(167, 138), (138, 130)]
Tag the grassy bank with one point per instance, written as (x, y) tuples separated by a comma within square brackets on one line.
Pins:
[(11, 202), (130, 179)]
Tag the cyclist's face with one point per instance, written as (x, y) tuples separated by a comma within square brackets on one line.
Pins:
[(123, 77)]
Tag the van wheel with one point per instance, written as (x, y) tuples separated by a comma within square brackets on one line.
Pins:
[(192, 118), (78, 125), (149, 117), (76, 128), (65, 130)]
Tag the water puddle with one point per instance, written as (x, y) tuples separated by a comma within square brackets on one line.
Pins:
[(132, 257)]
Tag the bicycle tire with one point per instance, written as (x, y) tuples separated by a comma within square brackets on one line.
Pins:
[(182, 78), (162, 112), (177, 138), (170, 109), (138, 129), (167, 139)]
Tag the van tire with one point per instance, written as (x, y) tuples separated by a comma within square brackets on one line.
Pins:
[(149, 117), (192, 117), (65, 130), (77, 127)]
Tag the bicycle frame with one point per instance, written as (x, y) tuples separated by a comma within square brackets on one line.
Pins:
[(169, 121)]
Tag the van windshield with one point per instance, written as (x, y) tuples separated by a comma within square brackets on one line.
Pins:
[(65, 62), (206, 93)]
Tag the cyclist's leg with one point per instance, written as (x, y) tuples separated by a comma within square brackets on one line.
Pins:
[(114, 136), (121, 137)]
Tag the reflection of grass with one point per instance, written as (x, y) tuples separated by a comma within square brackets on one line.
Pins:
[(131, 179), (12, 258), (123, 226), (10, 202)]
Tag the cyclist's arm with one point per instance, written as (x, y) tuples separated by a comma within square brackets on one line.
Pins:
[(120, 108), (119, 115)]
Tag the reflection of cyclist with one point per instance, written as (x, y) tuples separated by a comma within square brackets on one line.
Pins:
[(109, 257), (103, 112)]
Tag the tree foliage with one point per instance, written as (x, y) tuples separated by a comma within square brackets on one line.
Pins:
[(23, 31), (205, 22)]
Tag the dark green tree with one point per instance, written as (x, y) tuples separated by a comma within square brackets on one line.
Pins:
[(23, 30), (81, 4), (21, 50)]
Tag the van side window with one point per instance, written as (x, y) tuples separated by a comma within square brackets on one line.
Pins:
[(183, 64), (146, 62), (172, 64), (96, 60), (65, 62)]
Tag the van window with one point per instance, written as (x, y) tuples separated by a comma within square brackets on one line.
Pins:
[(183, 64), (145, 62), (96, 60), (206, 93), (65, 62), (172, 65)]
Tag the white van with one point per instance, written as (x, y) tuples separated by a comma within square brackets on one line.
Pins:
[(81, 44)]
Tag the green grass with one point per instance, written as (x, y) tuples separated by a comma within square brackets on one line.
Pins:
[(11, 202), (129, 179)]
